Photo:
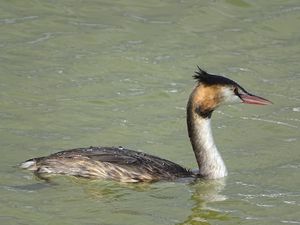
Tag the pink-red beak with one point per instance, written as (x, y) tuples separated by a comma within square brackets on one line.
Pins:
[(256, 100)]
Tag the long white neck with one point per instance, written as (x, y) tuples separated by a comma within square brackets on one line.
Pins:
[(210, 162)]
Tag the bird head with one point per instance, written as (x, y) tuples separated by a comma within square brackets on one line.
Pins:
[(214, 90)]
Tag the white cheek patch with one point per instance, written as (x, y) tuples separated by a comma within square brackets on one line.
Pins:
[(229, 97)]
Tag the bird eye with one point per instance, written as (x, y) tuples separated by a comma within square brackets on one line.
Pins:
[(236, 91)]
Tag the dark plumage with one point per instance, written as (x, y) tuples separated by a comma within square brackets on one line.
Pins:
[(109, 163), (210, 79)]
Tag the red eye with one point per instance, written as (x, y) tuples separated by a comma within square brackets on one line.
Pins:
[(236, 91)]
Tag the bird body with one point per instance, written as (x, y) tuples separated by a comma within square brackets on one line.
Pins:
[(115, 163), (126, 165)]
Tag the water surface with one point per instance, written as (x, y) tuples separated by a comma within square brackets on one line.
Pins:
[(110, 73)]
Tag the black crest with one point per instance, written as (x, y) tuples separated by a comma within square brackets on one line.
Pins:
[(209, 79), (200, 75)]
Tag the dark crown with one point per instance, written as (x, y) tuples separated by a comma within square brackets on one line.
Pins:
[(209, 79)]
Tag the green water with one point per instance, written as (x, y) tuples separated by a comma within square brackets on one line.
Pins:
[(110, 73)]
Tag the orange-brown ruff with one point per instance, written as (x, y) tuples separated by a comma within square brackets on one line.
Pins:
[(126, 165)]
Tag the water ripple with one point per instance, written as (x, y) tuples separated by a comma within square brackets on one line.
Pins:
[(290, 221), (44, 37), (17, 20), (269, 121)]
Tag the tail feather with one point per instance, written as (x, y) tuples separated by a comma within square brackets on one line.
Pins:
[(30, 164)]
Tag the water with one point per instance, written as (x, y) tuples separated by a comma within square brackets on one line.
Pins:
[(81, 73)]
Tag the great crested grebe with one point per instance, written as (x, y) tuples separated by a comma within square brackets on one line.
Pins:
[(126, 165)]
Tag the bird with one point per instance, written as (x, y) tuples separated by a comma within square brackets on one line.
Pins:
[(130, 166)]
